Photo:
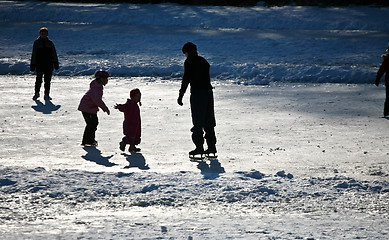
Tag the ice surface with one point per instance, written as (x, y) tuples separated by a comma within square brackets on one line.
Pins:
[(295, 161)]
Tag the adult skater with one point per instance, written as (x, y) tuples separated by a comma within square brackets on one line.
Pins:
[(89, 106), (43, 60), (384, 68), (196, 73)]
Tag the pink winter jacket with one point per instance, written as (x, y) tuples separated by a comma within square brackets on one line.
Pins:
[(92, 100), (132, 121)]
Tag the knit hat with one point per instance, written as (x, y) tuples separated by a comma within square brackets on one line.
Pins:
[(133, 92), (102, 74), (189, 47), (44, 29)]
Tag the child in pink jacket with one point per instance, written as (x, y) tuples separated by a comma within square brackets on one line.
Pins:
[(90, 104), (132, 122)]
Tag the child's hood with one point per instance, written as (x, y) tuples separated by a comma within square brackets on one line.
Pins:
[(385, 56), (129, 101)]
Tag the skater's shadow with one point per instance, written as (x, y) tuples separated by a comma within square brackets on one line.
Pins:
[(136, 160), (46, 108), (211, 170), (94, 155)]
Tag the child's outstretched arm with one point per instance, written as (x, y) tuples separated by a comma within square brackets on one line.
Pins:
[(119, 107)]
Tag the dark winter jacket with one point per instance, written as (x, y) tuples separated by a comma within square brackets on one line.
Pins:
[(196, 73), (92, 100), (132, 121), (44, 56), (384, 68)]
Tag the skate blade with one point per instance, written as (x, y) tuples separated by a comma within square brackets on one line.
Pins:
[(196, 157), (211, 155), (89, 145), (197, 160)]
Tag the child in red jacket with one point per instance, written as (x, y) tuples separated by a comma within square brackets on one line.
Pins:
[(132, 122), (384, 68)]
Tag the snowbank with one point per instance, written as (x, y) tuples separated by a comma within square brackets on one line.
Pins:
[(253, 45)]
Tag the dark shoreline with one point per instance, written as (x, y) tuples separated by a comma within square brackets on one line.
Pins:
[(246, 3)]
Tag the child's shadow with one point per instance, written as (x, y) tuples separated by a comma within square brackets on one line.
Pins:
[(46, 108), (136, 160), (211, 170), (94, 155)]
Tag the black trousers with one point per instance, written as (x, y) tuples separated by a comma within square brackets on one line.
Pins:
[(91, 126), (386, 107), (203, 118), (39, 80)]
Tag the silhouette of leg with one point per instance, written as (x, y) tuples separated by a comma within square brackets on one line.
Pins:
[(92, 122)]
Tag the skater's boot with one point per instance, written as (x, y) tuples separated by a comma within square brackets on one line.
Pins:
[(211, 152), (133, 149), (122, 146), (36, 96), (48, 98), (93, 144), (197, 151)]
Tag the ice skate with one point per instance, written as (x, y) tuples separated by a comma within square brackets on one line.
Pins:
[(48, 98), (36, 96), (197, 154), (211, 152)]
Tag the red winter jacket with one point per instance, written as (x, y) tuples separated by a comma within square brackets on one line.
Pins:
[(132, 122), (384, 68), (92, 100)]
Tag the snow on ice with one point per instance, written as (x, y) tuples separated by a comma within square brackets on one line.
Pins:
[(303, 149)]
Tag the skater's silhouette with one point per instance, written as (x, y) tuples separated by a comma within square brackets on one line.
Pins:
[(211, 170), (94, 155), (196, 74), (46, 108), (136, 160)]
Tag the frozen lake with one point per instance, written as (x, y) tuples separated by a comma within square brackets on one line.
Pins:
[(292, 158)]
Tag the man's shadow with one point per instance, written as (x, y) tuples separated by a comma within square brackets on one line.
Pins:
[(94, 155), (211, 170), (136, 160), (46, 108)]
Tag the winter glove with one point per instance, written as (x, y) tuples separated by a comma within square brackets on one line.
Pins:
[(179, 100), (32, 67), (180, 96)]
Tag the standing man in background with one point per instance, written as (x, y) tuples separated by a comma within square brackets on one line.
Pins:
[(43, 60)]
